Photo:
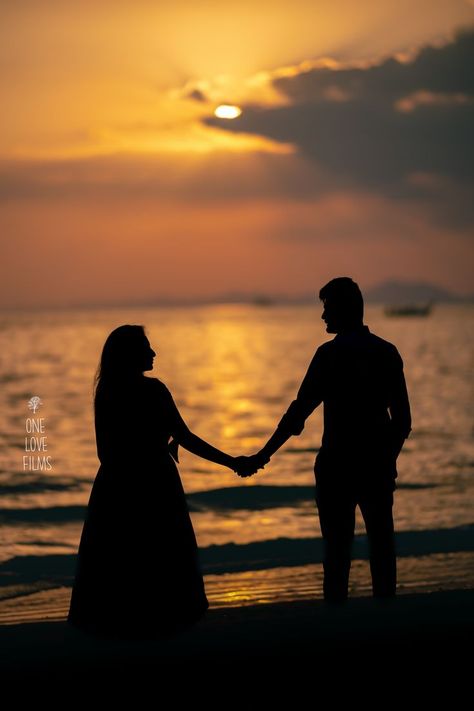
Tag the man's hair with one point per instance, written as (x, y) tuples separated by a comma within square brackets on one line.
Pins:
[(344, 292)]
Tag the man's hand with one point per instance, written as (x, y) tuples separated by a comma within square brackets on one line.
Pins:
[(248, 466)]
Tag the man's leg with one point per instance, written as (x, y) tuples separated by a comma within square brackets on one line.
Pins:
[(337, 519), (376, 507)]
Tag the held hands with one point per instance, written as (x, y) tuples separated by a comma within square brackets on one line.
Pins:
[(248, 466)]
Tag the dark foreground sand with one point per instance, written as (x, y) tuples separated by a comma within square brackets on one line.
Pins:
[(418, 642)]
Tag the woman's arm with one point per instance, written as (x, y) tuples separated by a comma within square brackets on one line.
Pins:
[(196, 445), (187, 439)]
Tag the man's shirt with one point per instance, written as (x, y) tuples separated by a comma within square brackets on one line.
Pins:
[(359, 378)]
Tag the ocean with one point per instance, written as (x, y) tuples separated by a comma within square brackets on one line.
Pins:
[(233, 370)]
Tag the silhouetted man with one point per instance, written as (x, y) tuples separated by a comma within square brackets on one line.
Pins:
[(359, 378)]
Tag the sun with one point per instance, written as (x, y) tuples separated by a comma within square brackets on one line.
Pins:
[(227, 111)]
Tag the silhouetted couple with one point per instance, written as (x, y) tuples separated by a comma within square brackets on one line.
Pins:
[(138, 572)]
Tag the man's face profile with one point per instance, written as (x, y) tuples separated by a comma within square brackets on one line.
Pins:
[(330, 316)]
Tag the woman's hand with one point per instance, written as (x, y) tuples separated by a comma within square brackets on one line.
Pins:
[(248, 466)]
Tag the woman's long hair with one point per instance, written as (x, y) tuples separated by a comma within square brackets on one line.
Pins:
[(118, 362)]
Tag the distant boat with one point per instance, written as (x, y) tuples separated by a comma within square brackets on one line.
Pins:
[(262, 301), (409, 310)]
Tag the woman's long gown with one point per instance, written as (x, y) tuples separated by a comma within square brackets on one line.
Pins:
[(138, 571)]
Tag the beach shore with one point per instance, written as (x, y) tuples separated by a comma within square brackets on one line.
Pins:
[(400, 637)]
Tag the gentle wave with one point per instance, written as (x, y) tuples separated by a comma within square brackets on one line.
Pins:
[(283, 585), (238, 498), (7, 378), (258, 497), (51, 514), (282, 552), (39, 487), (263, 555)]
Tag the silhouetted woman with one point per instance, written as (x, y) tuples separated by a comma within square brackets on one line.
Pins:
[(138, 573)]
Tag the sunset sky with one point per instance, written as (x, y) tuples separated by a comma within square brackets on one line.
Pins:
[(353, 154)]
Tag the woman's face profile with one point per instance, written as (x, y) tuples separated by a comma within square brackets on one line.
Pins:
[(146, 355)]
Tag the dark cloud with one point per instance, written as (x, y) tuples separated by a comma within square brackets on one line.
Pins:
[(197, 95), (378, 126), (194, 178), (347, 128), (445, 69)]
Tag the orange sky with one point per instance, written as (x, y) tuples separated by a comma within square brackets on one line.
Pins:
[(114, 185)]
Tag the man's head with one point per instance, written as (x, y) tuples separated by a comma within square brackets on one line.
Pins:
[(343, 305)]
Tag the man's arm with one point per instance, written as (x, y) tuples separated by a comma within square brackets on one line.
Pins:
[(399, 408), (309, 396)]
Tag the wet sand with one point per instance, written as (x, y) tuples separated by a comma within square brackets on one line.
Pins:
[(415, 641)]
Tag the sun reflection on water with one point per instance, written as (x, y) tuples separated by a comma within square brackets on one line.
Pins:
[(233, 371)]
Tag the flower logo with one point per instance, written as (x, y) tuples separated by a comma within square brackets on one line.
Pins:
[(34, 403)]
